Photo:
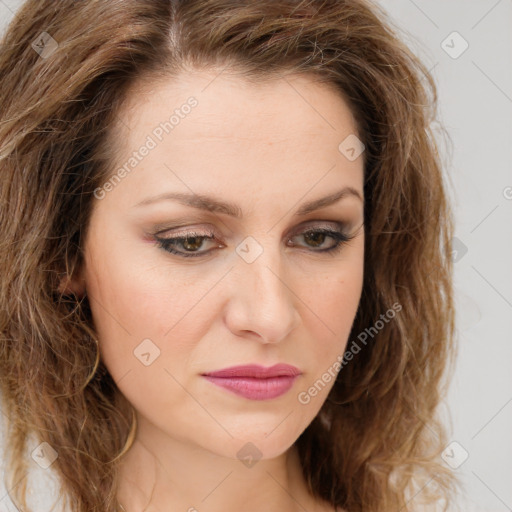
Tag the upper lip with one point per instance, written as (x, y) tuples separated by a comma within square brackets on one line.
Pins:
[(256, 371)]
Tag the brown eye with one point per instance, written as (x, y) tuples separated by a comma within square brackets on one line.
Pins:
[(191, 244), (317, 238)]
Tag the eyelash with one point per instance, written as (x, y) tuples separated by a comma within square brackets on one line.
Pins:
[(166, 243)]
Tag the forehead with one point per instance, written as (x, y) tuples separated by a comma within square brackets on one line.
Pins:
[(241, 136), (230, 106)]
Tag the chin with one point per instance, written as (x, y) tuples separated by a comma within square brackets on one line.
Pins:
[(256, 444)]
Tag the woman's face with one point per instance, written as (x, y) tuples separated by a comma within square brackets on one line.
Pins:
[(264, 289)]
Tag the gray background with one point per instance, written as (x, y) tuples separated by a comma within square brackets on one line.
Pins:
[(475, 94)]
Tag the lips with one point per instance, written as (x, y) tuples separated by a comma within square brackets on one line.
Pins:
[(256, 371), (255, 382)]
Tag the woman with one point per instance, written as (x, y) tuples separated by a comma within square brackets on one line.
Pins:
[(226, 242)]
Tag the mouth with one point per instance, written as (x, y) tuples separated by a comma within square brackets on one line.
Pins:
[(255, 382)]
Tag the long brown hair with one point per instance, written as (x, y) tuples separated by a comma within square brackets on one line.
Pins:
[(65, 70)]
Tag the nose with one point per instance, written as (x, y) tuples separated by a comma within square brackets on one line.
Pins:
[(262, 302)]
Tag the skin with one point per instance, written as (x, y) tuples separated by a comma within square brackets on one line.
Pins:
[(268, 148)]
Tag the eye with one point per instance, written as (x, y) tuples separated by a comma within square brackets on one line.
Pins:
[(190, 244), (316, 238)]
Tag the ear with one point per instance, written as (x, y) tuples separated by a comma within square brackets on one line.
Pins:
[(72, 285)]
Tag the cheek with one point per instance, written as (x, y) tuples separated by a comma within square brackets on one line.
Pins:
[(131, 303), (339, 301), (328, 325), (338, 308), (333, 301), (335, 297), (149, 329)]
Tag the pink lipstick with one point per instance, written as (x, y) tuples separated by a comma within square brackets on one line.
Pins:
[(255, 382)]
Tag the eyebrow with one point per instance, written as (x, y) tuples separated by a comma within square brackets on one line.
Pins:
[(212, 204)]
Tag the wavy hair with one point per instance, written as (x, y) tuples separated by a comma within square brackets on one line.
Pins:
[(66, 67)]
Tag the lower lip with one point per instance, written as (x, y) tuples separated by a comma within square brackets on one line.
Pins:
[(255, 389)]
